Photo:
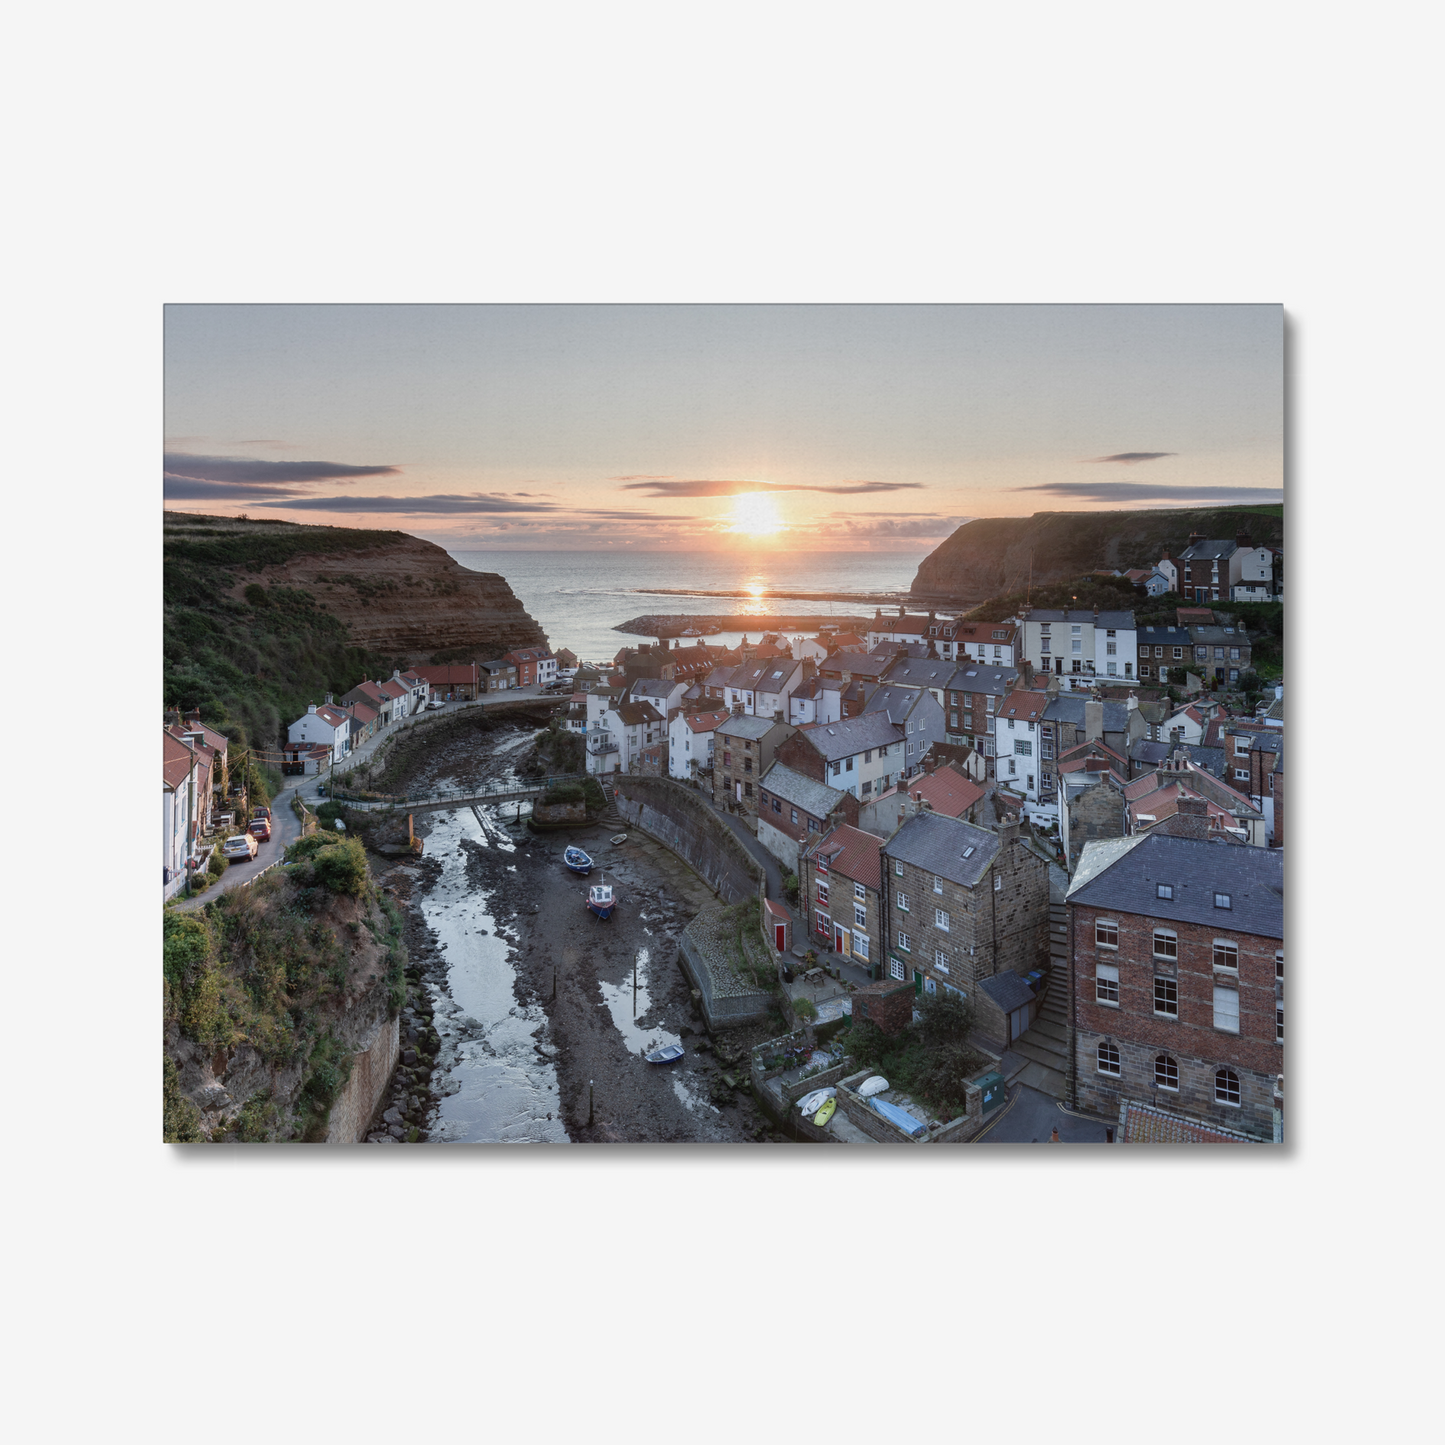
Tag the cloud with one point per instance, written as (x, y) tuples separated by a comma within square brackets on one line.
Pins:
[(189, 489), (248, 469), (1138, 491), (471, 502), (1130, 458), (909, 525), (693, 487)]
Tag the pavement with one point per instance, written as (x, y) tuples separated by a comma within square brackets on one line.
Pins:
[(1030, 1117)]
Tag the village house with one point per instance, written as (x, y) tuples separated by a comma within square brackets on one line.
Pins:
[(1080, 645), (498, 675), (792, 807), (370, 696), (1145, 755), (617, 733), (528, 662), (1164, 653), (849, 667), (816, 700), (566, 661), (365, 722), (1154, 800), (1212, 570), (931, 674), (326, 725), (1253, 755), (762, 689), (1075, 718), (839, 882), (454, 682), (918, 713), (945, 790), (1089, 797), (962, 903), (862, 755), (212, 749), (994, 643), (663, 693), (184, 802), (1221, 652), (1176, 948), (690, 742), (974, 694), (903, 628), (743, 750), (1018, 750)]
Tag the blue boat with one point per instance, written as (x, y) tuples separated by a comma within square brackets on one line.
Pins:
[(601, 900), (665, 1055), (577, 861), (901, 1117)]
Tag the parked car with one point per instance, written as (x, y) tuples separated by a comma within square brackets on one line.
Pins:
[(436, 702), (260, 829), (243, 845), (261, 813)]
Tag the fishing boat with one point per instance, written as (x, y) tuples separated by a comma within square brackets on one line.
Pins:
[(825, 1113), (577, 861), (665, 1055), (601, 900)]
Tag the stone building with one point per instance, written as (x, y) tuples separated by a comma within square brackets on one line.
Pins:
[(1176, 949), (962, 903), (839, 881), (794, 809), (742, 751)]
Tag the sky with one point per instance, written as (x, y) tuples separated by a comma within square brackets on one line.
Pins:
[(716, 427)]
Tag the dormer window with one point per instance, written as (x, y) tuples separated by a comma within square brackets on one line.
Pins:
[(1222, 900)]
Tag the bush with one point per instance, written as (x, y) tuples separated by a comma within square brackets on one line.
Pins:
[(945, 1019), (790, 888), (341, 867), (805, 1009), (256, 595), (217, 864)]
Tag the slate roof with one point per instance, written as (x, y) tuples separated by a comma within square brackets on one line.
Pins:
[(897, 702), (633, 713), (1221, 636), (856, 664), (719, 677), (814, 798), (1154, 755), (937, 845), (1119, 621), (917, 672), (744, 726), (1165, 636), (852, 735), (1125, 879), (978, 677), (853, 854), (1208, 550), (1069, 708), (1007, 990), (650, 687)]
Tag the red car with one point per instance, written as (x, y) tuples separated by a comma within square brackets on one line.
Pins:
[(261, 830)]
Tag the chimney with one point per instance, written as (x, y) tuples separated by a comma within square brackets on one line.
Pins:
[(310, 707), (1241, 540), (1133, 702), (329, 699), (194, 716), (1008, 831), (1191, 819), (1093, 720), (1195, 537)]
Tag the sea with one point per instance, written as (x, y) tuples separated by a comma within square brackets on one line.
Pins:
[(579, 597)]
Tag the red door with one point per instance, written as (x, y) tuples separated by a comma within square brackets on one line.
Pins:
[(780, 931)]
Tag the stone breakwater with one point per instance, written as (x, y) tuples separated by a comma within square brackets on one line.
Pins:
[(664, 624)]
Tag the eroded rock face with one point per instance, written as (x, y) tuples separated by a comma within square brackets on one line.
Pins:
[(409, 600)]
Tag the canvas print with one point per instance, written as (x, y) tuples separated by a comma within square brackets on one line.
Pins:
[(831, 725)]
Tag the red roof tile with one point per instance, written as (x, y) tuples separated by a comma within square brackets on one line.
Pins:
[(946, 792), (853, 853)]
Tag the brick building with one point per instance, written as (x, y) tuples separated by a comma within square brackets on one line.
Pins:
[(793, 808), (1176, 979), (973, 696), (839, 878), (886, 1003), (742, 751), (962, 903), (1220, 653), (862, 755)]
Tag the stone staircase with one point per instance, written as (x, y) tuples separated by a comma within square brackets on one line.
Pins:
[(610, 817), (1046, 1044)]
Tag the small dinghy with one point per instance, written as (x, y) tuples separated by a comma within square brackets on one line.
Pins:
[(601, 900), (825, 1113), (876, 1085), (619, 837), (811, 1103), (665, 1055), (577, 861), (901, 1117)]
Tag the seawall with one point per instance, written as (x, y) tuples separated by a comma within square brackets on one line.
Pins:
[(371, 1068)]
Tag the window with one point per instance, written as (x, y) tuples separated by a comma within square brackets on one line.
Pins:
[(1164, 890), (1279, 965), (903, 903), (1221, 900), (860, 946), (1012, 768), (794, 812), (1166, 997), (1166, 1072), (937, 884), (1106, 984), (992, 703), (837, 768), (1226, 1009), (953, 721), (822, 924), (1166, 943), (860, 893), (812, 825), (997, 883), (1111, 649), (940, 919), (1178, 654), (1226, 954), (898, 870), (1023, 747), (1108, 1056), (1234, 654), (747, 790), (860, 915), (1226, 1087), (904, 947), (1241, 775), (940, 960), (1279, 1023), (777, 806), (1106, 933), (822, 891)]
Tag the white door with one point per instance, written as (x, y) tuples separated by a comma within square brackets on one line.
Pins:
[(739, 787)]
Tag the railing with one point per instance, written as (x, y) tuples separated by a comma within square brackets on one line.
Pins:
[(441, 795)]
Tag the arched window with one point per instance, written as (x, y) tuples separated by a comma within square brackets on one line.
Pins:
[(1226, 1086), (1108, 1059), (1166, 1072)]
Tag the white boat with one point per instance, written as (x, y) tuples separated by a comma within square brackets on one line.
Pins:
[(619, 837), (876, 1085), (811, 1103), (601, 900)]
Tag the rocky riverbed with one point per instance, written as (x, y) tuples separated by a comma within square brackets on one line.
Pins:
[(528, 1017)]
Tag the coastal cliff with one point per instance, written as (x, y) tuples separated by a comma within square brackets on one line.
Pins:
[(993, 555), (263, 617)]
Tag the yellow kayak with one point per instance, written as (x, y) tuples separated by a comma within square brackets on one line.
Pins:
[(825, 1113)]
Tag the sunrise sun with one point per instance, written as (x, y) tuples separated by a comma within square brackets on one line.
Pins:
[(755, 514)]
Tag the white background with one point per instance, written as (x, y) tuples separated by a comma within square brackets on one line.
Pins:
[(801, 152)]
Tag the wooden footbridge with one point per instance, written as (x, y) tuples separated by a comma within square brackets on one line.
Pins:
[(445, 798)]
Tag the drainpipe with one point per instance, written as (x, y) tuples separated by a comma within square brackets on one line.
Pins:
[(1072, 1030)]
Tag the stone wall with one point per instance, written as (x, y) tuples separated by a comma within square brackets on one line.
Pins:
[(678, 818), (371, 1070), (726, 1002)]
